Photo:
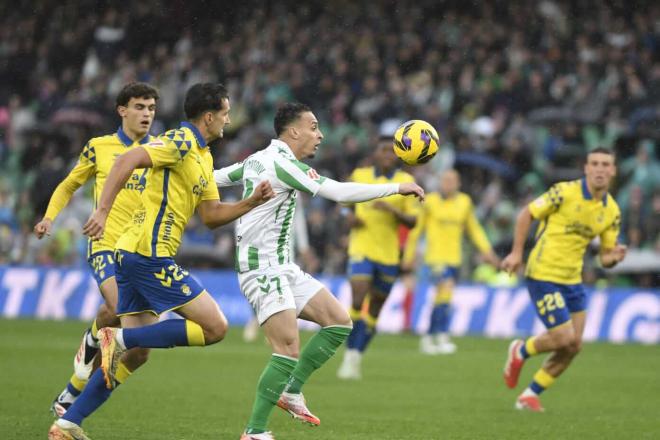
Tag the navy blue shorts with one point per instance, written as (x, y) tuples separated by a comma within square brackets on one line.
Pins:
[(102, 264), (442, 272), (555, 302), (382, 276), (152, 284)]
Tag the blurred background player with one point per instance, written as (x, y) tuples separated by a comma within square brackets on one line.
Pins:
[(444, 218), (136, 105), (149, 280), (571, 215), (374, 251), (278, 290)]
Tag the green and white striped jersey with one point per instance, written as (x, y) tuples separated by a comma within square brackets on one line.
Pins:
[(263, 235)]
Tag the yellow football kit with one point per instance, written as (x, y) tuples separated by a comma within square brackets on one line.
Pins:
[(444, 222), (378, 239), (181, 178), (570, 218), (95, 161)]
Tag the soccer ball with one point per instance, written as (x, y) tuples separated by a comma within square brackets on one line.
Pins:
[(416, 142)]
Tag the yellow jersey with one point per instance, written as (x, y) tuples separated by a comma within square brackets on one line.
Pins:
[(569, 219), (96, 160), (181, 177), (378, 239), (444, 222)]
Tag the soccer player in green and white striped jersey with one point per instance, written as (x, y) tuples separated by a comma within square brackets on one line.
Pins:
[(278, 290)]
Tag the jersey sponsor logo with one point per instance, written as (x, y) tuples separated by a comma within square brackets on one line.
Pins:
[(539, 202), (255, 166), (199, 188), (313, 174), (580, 229), (169, 221), (156, 143), (135, 182)]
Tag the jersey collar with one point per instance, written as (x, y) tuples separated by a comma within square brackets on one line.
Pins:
[(586, 195), (127, 141), (200, 139), (282, 147)]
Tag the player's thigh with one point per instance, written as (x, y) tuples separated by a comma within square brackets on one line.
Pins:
[(204, 311), (324, 309), (360, 275), (103, 266), (281, 331), (110, 293)]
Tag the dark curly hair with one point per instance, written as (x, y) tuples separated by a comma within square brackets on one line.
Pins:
[(287, 113), (136, 90), (202, 98)]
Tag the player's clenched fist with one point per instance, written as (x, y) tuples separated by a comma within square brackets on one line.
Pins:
[(511, 263), (43, 228), (95, 225), (262, 193)]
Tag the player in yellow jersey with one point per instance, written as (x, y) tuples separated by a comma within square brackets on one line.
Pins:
[(149, 280), (374, 251), (445, 217), (571, 215), (136, 105)]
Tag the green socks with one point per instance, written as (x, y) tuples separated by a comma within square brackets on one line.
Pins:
[(270, 386), (282, 371), (318, 350)]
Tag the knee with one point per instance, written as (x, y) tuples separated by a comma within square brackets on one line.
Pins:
[(216, 331), (574, 347), (107, 316), (287, 346), (343, 319), (567, 342)]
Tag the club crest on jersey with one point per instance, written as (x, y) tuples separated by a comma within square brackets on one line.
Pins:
[(313, 174)]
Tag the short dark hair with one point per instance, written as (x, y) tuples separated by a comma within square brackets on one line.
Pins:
[(204, 97), (287, 113), (601, 150), (136, 90)]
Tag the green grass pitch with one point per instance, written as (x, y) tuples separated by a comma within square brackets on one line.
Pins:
[(610, 392)]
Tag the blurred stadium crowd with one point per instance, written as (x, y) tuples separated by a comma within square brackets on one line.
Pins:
[(518, 90)]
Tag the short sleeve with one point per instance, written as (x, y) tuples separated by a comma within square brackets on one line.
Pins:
[(548, 202), (609, 237), (211, 192), (163, 153), (297, 175)]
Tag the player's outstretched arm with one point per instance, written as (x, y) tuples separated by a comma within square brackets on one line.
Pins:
[(613, 256), (215, 213), (80, 174), (119, 174), (351, 192), (229, 176), (512, 262)]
